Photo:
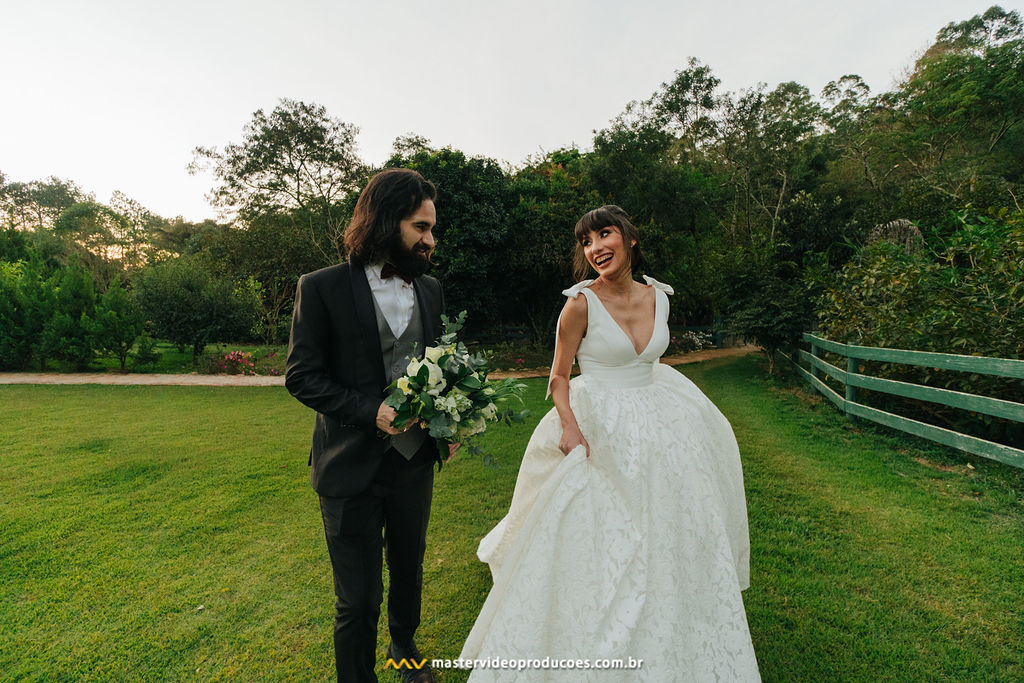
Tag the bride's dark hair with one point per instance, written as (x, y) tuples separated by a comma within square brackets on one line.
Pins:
[(608, 215)]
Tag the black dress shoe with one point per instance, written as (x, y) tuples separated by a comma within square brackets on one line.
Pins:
[(407, 669)]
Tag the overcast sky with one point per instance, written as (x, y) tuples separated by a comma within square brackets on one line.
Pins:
[(115, 95)]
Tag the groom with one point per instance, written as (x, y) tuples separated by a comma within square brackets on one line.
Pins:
[(354, 328)]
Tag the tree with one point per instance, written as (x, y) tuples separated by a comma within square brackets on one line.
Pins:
[(94, 233), (768, 149), (15, 348), (954, 125), (686, 107), (850, 116), (550, 196), (37, 204), (472, 229), (188, 305), (275, 252), (14, 245), (68, 333), (133, 239), (118, 322), (768, 302), (627, 154), (176, 236), (295, 158), (39, 302)]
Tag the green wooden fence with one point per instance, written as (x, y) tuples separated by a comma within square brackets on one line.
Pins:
[(854, 380)]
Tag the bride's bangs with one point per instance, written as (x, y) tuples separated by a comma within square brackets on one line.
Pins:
[(595, 220)]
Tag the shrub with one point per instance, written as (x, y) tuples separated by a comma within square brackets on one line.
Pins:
[(963, 295), (145, 354), (231, 363), (191, 307), (118, 322), (69, 333), (689, 341), (15, 348)]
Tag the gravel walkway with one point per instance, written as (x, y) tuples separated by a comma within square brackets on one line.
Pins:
[(194, 379)]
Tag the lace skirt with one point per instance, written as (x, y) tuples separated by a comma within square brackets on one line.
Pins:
[(639, 552)]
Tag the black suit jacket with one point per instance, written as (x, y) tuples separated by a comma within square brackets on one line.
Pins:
[(335, 367)]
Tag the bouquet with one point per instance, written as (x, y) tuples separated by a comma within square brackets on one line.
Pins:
[(448, 393)]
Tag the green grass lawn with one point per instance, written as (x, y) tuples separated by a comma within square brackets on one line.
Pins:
[(169, 533)]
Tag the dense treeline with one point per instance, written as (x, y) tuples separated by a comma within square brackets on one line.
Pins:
[(750, 204)]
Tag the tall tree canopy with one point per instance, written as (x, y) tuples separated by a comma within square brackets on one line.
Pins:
[(296, 160), (36, 205)]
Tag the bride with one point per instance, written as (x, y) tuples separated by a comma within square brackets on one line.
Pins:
[(627, 537)]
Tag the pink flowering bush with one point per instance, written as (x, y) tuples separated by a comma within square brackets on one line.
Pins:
[(236, 363), (254, 361)]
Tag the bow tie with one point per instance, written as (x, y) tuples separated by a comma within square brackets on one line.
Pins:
[(389, 271)]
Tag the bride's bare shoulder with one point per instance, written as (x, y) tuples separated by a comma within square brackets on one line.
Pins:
[(573, 321), (575, 308)]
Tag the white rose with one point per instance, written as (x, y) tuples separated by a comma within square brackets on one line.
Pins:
[(413, 367), (436, 376), (436, 389), (434, 353), (403, 386)]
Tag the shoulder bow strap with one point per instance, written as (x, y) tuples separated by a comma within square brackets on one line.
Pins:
[(575, 290), (571, 293), (657, 285)]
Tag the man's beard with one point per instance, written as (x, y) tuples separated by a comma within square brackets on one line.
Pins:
[(413, 262)]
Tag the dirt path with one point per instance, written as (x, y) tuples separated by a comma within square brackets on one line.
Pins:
[(695, 357), (194, 379)]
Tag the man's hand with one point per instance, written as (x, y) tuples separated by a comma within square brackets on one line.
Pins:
[(452, 448), (385, 415)]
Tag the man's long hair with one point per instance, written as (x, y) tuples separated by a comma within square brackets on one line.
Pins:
[(390, 196)]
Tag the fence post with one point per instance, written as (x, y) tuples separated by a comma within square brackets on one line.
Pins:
[(851, 391), (816, 352)]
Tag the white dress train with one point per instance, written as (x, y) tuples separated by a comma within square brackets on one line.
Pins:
[(638, 552)]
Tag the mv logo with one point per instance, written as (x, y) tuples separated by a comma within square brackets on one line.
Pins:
[(404, 663)]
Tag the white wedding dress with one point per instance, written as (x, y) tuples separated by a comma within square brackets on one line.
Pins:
[(639, 551)]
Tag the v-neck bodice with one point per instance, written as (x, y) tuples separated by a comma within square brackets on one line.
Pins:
[(607, 354), (592, 298)]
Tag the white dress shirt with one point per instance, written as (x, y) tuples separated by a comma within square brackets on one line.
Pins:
[(395, 298)]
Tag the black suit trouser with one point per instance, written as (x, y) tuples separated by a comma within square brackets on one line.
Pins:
[(390, 517)]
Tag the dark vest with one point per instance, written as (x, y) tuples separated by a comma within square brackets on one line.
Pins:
[(397, 353)]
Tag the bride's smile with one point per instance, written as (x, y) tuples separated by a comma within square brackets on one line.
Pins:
[(605, 251)]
